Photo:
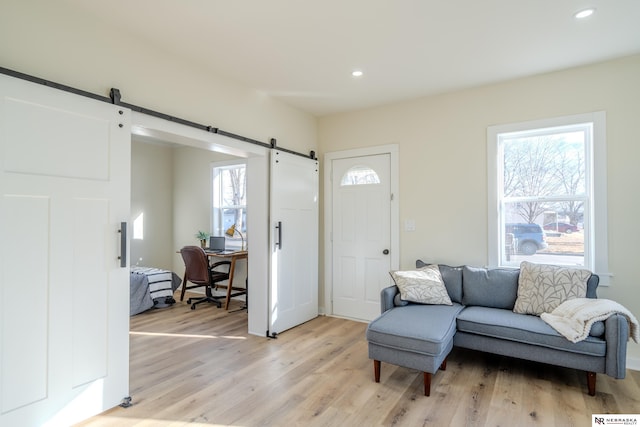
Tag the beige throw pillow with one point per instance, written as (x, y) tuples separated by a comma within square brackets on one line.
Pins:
[(541, 287), (423, 285)]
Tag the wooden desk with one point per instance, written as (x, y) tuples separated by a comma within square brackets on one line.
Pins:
[(233, 256)]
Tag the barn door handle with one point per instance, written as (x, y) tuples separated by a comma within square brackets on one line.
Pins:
[(123, 244), (279, 228)]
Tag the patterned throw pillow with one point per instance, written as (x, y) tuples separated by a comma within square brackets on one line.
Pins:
[(423, 285), (541, 287)]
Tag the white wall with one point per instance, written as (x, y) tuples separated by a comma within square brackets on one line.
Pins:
[(442, 138), (192, 198), (192, 201), (55, 41), (176, 205), (443, 161), (152, 196)]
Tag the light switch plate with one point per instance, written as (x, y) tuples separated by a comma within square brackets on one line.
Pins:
[(409, 225)]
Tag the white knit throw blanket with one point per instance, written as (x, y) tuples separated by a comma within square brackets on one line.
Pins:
[(573, 318)]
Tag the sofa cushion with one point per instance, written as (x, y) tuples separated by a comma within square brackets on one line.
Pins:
[(423, 285), (452, 278), (543, 287), (425, 329), (507, 325), (489, 287)]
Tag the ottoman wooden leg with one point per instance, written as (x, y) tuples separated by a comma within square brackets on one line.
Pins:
[(376, 370), (443, 367), (427, 384)]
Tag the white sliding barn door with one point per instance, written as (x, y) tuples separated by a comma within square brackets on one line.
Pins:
[(64, 298), (293, 296)]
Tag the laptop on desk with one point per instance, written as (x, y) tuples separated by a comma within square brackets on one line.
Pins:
[(216, 244)]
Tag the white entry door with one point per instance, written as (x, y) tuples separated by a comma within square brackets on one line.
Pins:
[(293, 296), (361, 242), (64, 297)]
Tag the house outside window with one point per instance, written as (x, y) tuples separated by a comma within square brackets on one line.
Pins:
[(229, 201), (547, 193)]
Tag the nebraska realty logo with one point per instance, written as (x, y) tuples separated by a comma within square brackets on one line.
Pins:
[(615, 420)]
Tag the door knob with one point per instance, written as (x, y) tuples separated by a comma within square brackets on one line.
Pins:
[(386, 252)]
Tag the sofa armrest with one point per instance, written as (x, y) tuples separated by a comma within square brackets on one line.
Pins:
[(386, 298), (616, 334)]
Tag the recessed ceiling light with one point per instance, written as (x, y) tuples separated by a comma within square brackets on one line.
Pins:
[(584, 13), (357, 73)]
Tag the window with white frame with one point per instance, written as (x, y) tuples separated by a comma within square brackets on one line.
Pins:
[(229, 202), (547, 192)]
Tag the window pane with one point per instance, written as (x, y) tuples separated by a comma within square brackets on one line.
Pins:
[(234, 216), (549, 173), (360, 175), (233, 187), (229, 202), (555, 237), (544, 194), (551, 164)]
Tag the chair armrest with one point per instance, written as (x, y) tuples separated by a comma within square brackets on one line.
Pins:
[(386, 298), (616, 334)]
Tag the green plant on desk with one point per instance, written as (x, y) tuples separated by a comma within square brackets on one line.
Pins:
[(202, 236)]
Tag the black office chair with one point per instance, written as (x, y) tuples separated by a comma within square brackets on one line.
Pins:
[(200, 273)]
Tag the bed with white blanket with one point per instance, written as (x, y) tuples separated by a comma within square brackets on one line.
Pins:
[(151, 287)]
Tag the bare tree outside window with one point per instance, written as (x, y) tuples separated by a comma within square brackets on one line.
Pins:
[(572, 174), (544, 167), (544, 191), (544, 178), (235, 197), (229, 200)]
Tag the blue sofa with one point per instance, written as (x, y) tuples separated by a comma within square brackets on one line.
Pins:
[(481, 317)]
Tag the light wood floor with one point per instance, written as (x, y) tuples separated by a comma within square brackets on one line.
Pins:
[(201, 368)]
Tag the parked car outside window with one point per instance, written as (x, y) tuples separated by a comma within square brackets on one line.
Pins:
[(529, 237), (561, 227)]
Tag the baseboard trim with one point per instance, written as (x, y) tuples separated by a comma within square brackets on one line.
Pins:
[(633, 363)]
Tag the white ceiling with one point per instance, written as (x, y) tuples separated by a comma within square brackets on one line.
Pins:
[(303, 51)]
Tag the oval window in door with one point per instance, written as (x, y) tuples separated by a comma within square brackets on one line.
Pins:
[(360, 175)]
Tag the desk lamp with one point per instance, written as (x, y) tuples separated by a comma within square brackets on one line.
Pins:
[(231, 231)]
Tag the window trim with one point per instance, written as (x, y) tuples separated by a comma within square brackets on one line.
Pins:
[(215, 166), (597, 253)]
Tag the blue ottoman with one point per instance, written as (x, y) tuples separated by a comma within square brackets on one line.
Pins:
[(413, 336)]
